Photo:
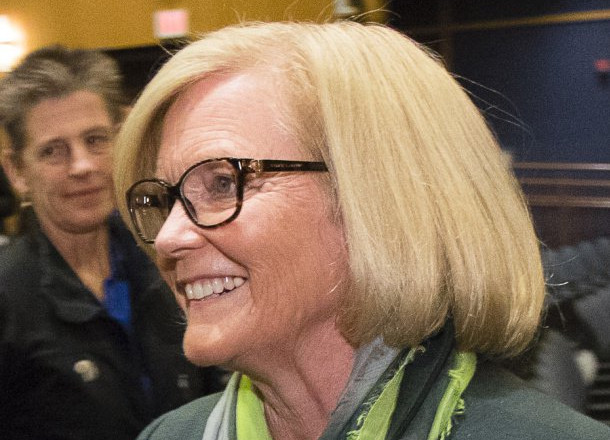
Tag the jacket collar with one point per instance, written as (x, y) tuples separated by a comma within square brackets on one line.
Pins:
[(425, 379), (69, 297)]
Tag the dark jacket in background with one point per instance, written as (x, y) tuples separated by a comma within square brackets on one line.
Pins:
[(70, 371), (8, 201)]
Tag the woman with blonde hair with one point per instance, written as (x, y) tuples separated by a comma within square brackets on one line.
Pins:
[(339, 225)]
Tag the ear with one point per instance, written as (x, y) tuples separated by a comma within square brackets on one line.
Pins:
[(14, 174)]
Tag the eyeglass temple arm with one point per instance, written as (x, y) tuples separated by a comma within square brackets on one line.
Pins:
[(258, 166)]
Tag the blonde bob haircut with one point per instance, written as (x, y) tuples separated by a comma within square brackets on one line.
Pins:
[(436, 225)]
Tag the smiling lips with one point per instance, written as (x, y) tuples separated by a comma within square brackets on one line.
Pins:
[(202, 289), (85, 192)]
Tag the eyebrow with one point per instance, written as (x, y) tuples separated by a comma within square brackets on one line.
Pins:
[(89, 130), (98, 128)]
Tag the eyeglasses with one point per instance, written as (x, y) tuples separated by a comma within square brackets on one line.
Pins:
[(211, 192)]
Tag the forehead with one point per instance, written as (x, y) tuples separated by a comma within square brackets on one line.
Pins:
[(66, 116), (239, 115)]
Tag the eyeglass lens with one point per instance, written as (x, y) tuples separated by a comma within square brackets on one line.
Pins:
[(209, 192)]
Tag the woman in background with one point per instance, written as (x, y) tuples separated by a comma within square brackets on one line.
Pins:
[(89, 334), (339, 225)]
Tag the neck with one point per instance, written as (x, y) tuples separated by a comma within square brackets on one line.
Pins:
[(300, 392), (87, 254)]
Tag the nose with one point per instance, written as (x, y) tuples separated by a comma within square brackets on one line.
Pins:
[(177, 234), (82, 162)]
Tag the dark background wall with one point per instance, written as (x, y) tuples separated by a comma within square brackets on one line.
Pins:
[(139, 64), (536, 80)]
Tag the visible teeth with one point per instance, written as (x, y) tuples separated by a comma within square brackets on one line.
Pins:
[(198, 291), (228, 283), (202, 289), (207, 289), (217, 285)]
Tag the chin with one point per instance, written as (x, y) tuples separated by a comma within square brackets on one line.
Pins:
[(202, 351), (84, 225), (91, 220)]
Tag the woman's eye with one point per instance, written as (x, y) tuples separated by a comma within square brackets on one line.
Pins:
[(98, 141), (53, 152), (222, 185)]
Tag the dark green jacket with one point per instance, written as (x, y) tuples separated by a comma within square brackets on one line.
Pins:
[(499, 406)]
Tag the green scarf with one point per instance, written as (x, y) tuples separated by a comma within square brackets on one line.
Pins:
[(374, 420), (250, 414)]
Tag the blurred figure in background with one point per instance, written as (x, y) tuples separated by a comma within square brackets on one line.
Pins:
[(89, 333), (8, 204)]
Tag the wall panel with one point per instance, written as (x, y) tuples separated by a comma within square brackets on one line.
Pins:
[(128, 23)]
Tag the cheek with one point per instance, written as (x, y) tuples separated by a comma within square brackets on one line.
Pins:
[(298, 268), (105, 164), (44, 185)]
